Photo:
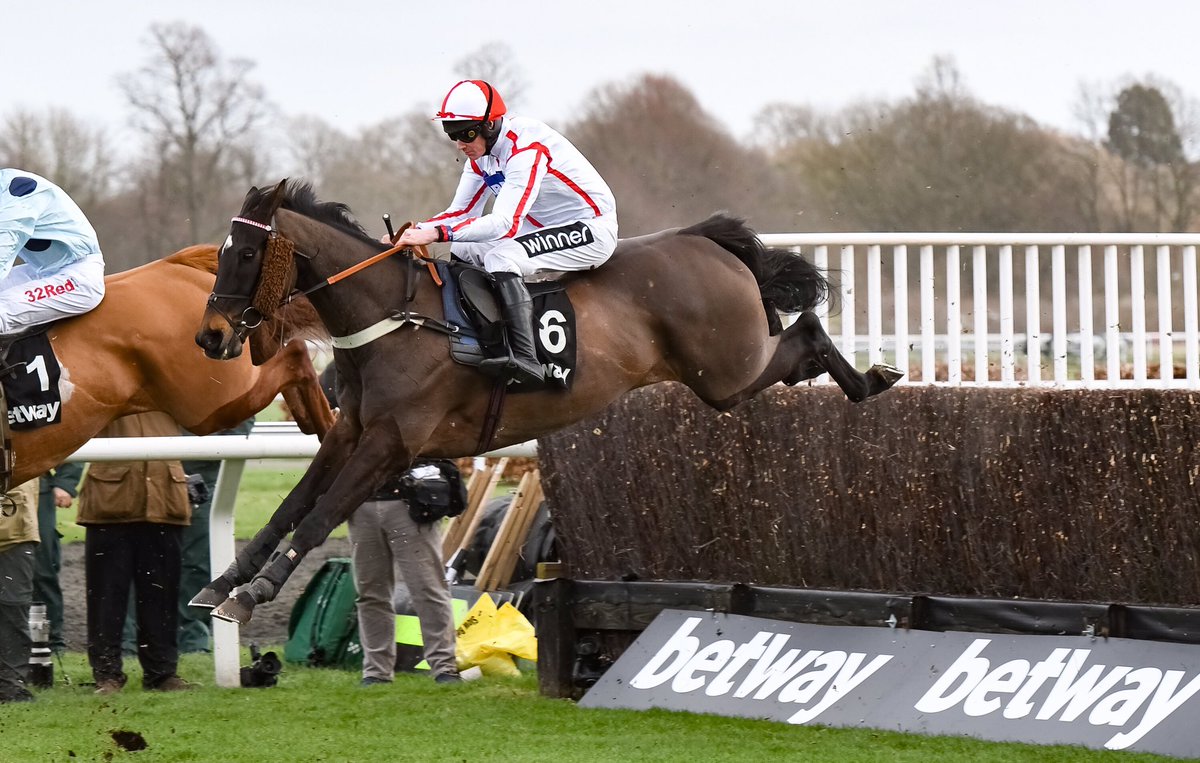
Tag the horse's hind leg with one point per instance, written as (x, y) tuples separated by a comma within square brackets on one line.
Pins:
[(818, 353)]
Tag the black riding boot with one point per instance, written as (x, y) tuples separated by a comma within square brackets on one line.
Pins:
[(517, 307)]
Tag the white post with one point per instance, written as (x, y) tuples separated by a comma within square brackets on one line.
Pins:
[(226, 649)]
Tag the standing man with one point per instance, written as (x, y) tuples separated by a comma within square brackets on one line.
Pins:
[(552, 209), (56, 490), (18, 538), (387, 545), (134, 513)]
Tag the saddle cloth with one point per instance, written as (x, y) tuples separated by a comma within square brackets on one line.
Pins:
[(30, 377)]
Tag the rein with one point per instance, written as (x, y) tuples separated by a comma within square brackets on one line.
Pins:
[(279, 265)]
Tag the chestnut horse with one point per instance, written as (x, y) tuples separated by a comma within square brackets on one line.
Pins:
[(134, 353), (695, 306)]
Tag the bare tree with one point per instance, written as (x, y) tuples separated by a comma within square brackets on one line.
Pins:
[(63, 148), (404, 167), (198, 113), (669, 163), (938, 161), (495, 63)]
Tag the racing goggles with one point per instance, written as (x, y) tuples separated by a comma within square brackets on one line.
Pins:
[(463, 133)]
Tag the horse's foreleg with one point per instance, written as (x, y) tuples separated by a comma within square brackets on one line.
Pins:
[(299, 502), (373, 459), (302, 391)]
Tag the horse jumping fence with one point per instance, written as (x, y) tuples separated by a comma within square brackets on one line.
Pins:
[(972, 293)]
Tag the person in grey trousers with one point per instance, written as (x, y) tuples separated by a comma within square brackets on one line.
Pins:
[(387, 545)]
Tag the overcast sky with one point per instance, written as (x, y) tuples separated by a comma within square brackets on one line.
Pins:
[(356, 63)]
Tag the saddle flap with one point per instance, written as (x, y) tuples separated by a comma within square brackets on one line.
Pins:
[(476, 289)]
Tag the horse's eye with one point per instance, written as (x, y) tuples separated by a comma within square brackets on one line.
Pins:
[(247, 252)]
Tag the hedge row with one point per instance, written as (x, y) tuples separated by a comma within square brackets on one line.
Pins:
[(1084, 495)]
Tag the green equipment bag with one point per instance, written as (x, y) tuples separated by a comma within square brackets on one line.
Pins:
[(323, 628)]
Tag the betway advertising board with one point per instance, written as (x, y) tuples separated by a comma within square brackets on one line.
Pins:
[(1116, 694)]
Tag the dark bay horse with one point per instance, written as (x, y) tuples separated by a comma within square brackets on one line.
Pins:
[(135, 352), (694, 306)]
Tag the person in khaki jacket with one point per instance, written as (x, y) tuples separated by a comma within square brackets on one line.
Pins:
[(134, 513), (18, 539)]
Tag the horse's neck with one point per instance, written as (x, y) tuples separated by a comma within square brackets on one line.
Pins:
[(359, 299)]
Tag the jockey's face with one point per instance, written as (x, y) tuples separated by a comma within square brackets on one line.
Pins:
[(468, 136), (473, 149)]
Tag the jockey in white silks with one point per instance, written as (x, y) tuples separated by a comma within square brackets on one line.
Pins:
[(551, 210)]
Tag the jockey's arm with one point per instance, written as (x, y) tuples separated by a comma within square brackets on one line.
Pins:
[(523, 176), (18, 220), (468, 200)]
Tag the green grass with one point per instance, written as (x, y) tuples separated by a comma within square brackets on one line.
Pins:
[(323, 715)]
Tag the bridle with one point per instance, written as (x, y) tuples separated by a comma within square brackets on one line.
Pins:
[(279, 251)]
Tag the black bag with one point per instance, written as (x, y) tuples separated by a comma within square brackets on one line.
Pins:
[(433, 489)]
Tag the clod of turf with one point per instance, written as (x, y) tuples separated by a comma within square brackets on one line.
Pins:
[(129, 740)]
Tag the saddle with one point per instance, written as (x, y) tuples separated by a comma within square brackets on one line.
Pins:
[(472, 310)]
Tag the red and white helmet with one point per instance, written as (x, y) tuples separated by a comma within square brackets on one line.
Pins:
[(471, 100)]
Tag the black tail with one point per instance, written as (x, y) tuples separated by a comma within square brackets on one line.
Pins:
[(788, 282)]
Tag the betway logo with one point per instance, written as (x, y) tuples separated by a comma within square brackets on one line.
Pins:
[(1113, 695), (19, 414), (758, 668)]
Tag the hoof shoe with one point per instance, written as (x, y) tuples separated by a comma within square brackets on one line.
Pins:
[(206, 599), (233, 610)]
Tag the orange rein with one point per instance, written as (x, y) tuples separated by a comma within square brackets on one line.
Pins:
[(420, 252)]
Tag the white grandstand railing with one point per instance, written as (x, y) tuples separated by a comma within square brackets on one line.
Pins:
[(1081, 331), (270, 440)]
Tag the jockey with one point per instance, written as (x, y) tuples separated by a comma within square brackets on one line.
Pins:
[(552, 210), (63, 270)]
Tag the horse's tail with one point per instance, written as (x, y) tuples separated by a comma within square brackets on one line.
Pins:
[(788, 282)]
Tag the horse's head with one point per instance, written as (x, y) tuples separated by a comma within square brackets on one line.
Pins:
[(255, 270)]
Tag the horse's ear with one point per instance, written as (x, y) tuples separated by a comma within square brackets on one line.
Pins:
[(277, 195)]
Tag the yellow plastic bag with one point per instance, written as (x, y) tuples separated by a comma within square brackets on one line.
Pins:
[(491, 638)]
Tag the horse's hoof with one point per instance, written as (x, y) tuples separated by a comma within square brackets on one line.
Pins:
[(889, 375), (207, 599), (235, 610)]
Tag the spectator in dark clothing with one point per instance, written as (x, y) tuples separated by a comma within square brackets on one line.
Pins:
[(57, 489), (134, 512)]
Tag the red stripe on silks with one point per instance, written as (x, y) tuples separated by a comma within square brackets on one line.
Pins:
[(571, 184), (516, 219), (533, 222), (464, 224), (457, 212)]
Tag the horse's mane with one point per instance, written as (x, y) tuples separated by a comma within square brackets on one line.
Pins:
[(298, 196), (199, 256)]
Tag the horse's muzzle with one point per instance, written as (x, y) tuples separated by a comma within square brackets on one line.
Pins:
[(219, 343)]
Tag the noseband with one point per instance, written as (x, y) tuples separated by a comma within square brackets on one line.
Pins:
[(273, 282)]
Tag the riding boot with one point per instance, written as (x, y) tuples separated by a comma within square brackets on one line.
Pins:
[(516, 305)]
